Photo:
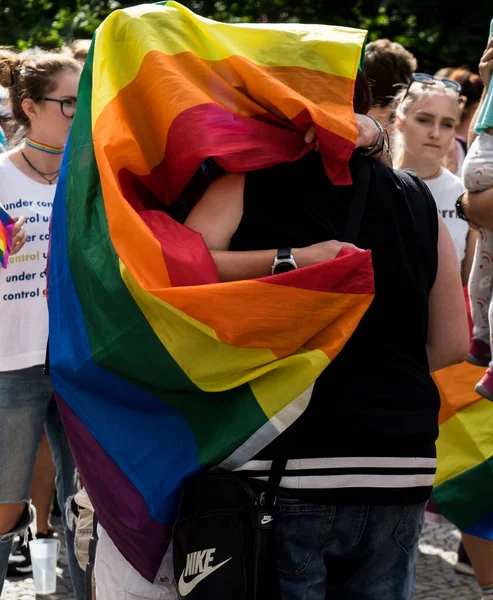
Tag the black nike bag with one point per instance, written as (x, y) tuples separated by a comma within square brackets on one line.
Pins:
[(223, 540)]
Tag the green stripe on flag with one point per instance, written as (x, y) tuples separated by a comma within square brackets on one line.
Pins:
[(467, 498)]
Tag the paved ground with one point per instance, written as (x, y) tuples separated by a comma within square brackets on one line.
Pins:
[(436, 578)]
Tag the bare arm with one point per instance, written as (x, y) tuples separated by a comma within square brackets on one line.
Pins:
[(471, 134), (485, 68), (448, 329), (216, 217), (478, 208)]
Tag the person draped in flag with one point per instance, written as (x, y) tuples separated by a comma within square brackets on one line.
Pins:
[(363, 452)]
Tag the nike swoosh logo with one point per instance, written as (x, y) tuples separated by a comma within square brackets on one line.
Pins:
[(266, 520), (185, 588)]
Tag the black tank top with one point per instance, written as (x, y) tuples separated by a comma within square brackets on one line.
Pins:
[(368, 434)]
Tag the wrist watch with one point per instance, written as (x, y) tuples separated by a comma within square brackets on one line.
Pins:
[(283, 262), (459, 209)]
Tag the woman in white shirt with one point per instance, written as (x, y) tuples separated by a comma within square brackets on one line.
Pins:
[(43, 97), (427, 113)]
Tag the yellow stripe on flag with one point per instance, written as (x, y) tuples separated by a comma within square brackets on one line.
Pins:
[(465, 441), (214, 366), (173, 29)]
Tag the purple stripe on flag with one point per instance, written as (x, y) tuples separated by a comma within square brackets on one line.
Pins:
[(120, 508)]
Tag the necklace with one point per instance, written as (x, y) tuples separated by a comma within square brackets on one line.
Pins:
[(44, 147), (434, 176), (45, 176)]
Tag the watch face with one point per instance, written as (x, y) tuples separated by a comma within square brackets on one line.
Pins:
[(284, 267)]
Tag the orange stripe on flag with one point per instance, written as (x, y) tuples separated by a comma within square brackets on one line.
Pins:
[(241, 306), (456, 387)]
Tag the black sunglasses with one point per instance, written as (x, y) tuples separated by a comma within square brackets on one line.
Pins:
[(431, 80)]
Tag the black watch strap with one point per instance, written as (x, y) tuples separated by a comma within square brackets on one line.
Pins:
[(459, 209), (283, 253)]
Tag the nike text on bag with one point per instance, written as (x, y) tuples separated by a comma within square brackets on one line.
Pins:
[(223, 541)]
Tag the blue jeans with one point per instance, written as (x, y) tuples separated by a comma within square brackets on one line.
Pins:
[(26, 404), (347, 552)]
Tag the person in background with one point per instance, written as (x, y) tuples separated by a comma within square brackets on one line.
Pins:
[(43, 98), (472, 89), (427, 113), (78, 49), (444, 72), (388, 67), (4, 116), (8, 125)]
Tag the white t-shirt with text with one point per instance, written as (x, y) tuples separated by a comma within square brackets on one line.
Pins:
[(446, 189), (23, 304)]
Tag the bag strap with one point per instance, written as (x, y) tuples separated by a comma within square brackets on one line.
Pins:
[(275, 476), (358, 202)]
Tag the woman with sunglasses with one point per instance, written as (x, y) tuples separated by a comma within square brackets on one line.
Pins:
[(43, 96), (427, 114)]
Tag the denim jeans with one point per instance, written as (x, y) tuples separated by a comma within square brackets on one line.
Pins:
[(26, 404), (347, 552)]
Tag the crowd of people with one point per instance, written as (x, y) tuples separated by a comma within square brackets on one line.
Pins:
[(428, 221)]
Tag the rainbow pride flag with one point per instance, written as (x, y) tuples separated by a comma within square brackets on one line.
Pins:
[(6, 227), (160, 369), (464, 476)]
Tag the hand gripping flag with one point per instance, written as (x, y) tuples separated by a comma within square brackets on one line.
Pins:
[(160, 370), (6, 227)]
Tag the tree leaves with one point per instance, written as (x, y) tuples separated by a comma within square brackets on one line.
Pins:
[(430, 29)]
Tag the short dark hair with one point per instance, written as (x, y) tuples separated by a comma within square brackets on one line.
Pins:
[(362, 94), (388, 67)]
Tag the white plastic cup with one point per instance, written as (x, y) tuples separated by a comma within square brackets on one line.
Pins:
[(44, 554)]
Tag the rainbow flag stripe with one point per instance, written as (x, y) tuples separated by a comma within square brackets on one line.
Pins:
[(6, 227), (160, 370), (464, 476)]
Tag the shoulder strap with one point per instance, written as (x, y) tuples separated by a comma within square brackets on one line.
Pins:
[(358, 202), (275, 476)]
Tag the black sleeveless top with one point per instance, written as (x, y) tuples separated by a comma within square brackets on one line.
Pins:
[(368, 434)]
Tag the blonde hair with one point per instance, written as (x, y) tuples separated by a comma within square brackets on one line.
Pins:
[(31, 76), (401, 107)]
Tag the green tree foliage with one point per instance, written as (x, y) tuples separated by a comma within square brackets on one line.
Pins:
[(431, 29)]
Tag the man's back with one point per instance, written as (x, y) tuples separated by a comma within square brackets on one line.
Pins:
[(376, 405)]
